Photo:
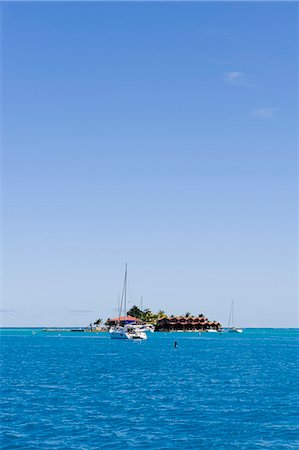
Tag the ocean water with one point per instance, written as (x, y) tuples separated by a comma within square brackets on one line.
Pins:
[(85, 391)]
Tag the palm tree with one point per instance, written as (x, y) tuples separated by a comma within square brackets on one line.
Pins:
[(147, 315), (135, 312), (161, 314), (98, 322), (187, 314)]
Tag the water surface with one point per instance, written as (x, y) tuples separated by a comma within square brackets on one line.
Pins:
[(85, 391)]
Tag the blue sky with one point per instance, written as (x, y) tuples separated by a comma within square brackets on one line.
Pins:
[(163, 135)]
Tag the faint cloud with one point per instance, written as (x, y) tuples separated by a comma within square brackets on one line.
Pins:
[(231, 76), (238, 79), (264, 113)]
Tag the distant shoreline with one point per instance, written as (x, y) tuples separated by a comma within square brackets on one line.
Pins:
[(172, 331)]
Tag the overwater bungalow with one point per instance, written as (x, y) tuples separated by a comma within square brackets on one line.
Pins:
[(190, 323)]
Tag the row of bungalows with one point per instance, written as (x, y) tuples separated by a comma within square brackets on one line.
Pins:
[(190, 323)]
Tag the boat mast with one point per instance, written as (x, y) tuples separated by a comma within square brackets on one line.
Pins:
[(230, 319), (125, 291), (123, 301), (118, 305)]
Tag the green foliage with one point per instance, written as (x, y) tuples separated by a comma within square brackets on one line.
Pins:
[(146, 315), (135, 312), (161, 314), (98, 322)]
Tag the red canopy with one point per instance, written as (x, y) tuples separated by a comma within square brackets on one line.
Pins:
[(124, 319)]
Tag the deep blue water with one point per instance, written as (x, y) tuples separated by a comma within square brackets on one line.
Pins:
[(85, 391)]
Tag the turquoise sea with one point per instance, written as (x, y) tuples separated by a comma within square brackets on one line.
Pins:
[(85, 391)]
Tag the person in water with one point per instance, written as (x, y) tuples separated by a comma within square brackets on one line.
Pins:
[(175, 344)]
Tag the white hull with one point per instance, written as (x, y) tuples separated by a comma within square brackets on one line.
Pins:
[(130, 332), (117, 334), (235, 330)]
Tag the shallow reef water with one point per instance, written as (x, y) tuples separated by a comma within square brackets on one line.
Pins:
[(85, 391)]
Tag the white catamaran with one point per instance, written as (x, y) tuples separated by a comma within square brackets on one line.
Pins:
[(231, 327), (131, 331)]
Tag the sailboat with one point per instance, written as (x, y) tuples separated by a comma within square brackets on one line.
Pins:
[(127, 330), (231, 327)]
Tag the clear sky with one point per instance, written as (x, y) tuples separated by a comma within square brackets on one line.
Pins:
[(163, 135)]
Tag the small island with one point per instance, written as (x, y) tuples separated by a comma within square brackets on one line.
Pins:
[(160, 321)]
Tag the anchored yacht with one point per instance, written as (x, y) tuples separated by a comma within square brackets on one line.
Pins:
[(231, 327), (123, 329)]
